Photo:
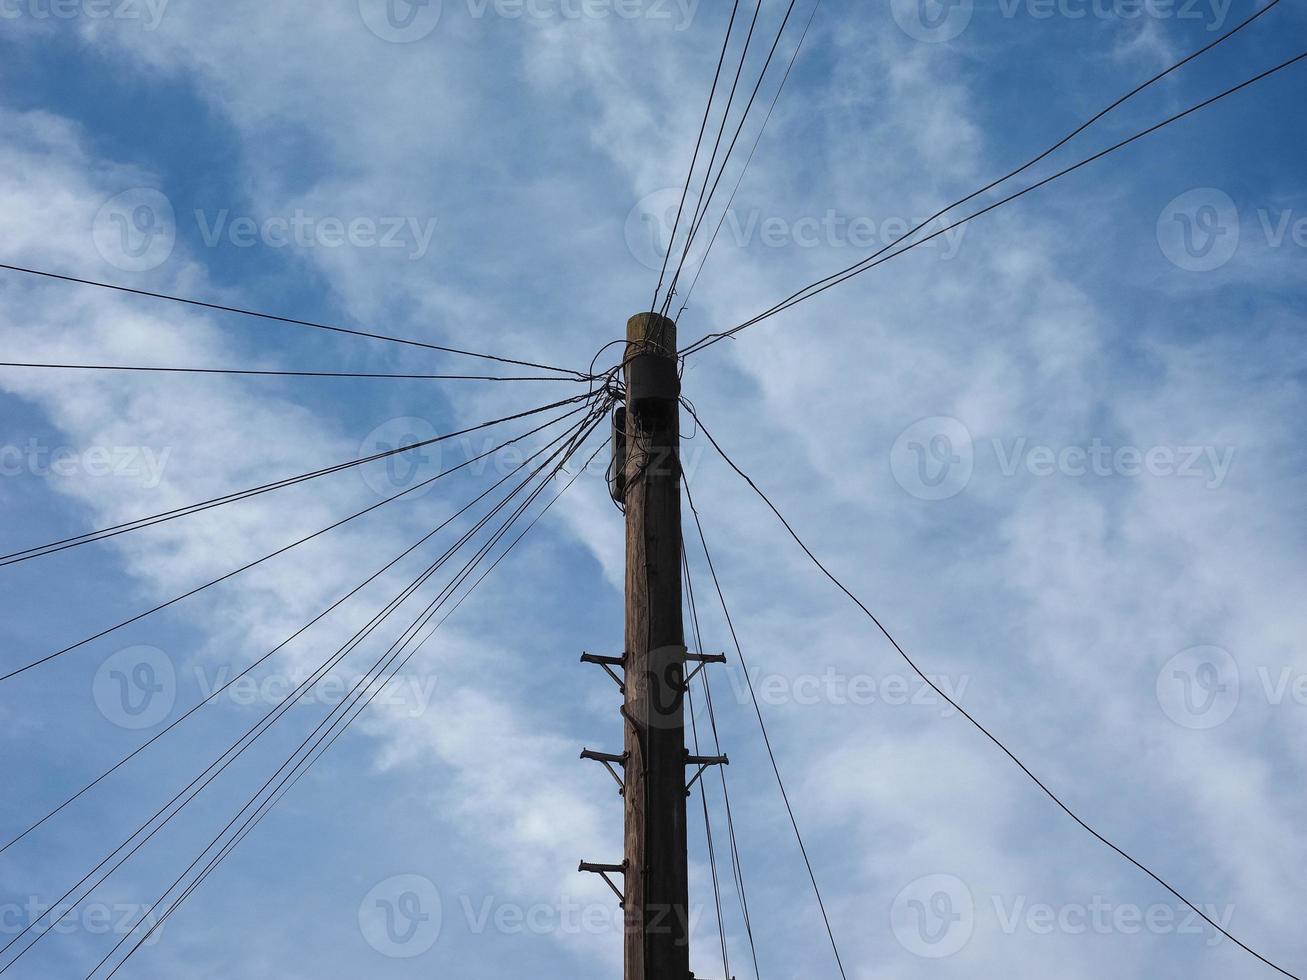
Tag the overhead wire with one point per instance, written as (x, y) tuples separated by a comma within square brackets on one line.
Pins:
[(726, 113), (326, 737), (276, 318), (879, 257), (40, 551), (253, 665), (721, 172), (752, 152), (821, 566), (1044, 154), (275, 554), (703, 789), (247, 372), (762, 724), (698, 145), (239, 747)]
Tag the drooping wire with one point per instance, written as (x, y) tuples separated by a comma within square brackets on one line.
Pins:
[(292, 321), (752, 152), (976, 724), (698, 145), (275, 554), (762, 724), (299, 632), (53, 547), (703, 796), (326, 737), (238, 748), (703, 790), (242, 372), (877, 258)]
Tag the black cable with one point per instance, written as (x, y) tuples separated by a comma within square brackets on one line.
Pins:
[(703, 788), (283, 374), (808, 292), (694, 230), (979, 727), (726, 113), (360, 687), (327, 736), (698, 145), (53, 547), (275, 554), (752, 152), (284, 319), (318, 618), (281, 792), (744, 668), (1056, 146), (256, 732)]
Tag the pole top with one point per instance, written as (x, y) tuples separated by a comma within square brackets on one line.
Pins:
[(652, 330)]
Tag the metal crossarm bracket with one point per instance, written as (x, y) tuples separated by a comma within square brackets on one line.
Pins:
[(603, 871), (609, 761), (703, 660), (703, 762), (608, 663)]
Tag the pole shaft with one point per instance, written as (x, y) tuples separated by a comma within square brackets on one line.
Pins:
[(657, 885)]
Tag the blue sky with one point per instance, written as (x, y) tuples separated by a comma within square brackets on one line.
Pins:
[(1058, 453)]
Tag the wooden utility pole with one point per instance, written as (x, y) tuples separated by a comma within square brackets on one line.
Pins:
[(656, 874)]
